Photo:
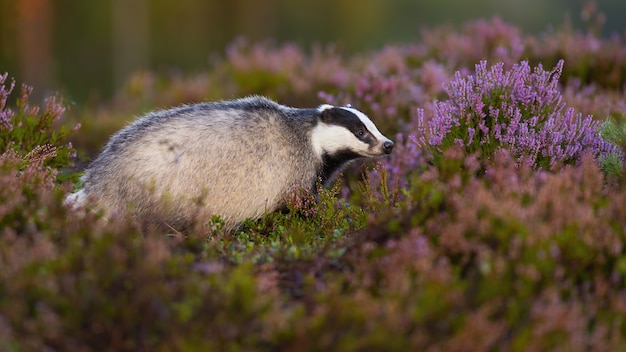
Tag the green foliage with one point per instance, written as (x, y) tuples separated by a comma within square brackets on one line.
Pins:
[(614, 132), (314, 224)]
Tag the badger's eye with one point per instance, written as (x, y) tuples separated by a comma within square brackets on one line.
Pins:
[(360, 133)]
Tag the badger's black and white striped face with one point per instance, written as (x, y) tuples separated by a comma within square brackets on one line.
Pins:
[(344, 133)]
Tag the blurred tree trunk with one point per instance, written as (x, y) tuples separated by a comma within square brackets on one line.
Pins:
[(34, 44), (131, 38)]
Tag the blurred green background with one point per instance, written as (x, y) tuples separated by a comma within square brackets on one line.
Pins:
[(87, 49)]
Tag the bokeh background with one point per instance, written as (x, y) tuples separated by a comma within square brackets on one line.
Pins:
[(87, 49)]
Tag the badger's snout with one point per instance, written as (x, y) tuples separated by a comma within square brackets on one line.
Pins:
[(388, 146)]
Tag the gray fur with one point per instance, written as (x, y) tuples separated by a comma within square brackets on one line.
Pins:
[(238, 159)]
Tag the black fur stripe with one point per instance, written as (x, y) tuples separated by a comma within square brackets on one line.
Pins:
[(334, 163), (345, 118)]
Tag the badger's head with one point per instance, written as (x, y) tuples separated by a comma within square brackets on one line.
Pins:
[(343, 134)]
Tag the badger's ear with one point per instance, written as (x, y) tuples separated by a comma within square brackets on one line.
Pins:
[(326, 116), (327, 113)]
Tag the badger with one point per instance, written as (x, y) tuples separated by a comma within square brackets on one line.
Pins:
[(237, 159)]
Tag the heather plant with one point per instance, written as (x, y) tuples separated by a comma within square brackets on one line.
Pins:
[(593, 100), (33, 133), (517, 260), (144, 90), (385, 183), (615, 133), (591, 58), (116, 288), (24, 182), (285, 72), (491, 39), (260, 69), (520, 110)]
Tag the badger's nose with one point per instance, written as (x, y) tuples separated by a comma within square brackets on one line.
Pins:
[(387, 147)]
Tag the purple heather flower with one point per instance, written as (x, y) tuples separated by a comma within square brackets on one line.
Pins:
[(520, 109), (406, 158), (5, 114)]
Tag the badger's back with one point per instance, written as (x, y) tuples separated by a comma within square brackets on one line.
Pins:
[(236, 159)]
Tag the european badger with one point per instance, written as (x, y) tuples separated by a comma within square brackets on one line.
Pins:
[(237, 159)]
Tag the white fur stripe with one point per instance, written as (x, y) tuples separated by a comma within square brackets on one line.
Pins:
[(368, 123), (324, 107)]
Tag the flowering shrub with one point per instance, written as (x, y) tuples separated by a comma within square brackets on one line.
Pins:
[(493, 39), (30, 132), (282, 72), (590, 58), (520, 110), (518, 250)]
